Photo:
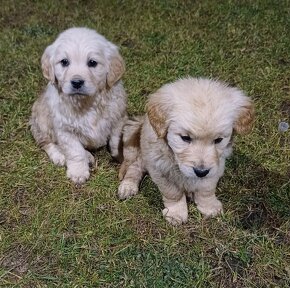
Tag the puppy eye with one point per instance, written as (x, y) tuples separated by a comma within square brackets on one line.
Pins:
[(64, 62), (218, 140), (92, 63), (186, 138)]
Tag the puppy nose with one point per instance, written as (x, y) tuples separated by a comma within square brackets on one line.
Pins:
[(77, 83), (200, 172)]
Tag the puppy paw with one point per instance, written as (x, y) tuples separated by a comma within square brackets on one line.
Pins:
[(127, 189), (212, 210), (79, 174), (57, 158), (93, 164), (54, 154), (175, 216)]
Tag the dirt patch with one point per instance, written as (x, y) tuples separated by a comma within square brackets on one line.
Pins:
[(255, 217), (129, 43), (259, 216), (230, 270), (285, 108), (3, 217), (20, 196), (281, 237), (16, 260), (145, 228), (11, 17), (283, 62), (20, 260), (234, 264)]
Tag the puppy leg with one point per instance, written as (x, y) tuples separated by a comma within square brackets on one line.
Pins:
[(54, 154), (115, 141), (43, 132), (207, 202), (77, 158), (176, 210), (131, 143), (130, 183)]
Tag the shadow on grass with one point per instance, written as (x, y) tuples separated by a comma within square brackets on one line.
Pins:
[(262, 197)]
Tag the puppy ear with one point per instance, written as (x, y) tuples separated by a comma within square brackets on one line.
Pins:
[(46, 64), (116, 69), (157, 115), (245, 120)]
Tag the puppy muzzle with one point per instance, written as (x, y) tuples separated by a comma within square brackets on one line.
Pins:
[(199, 172), (78, 87), (77, 83)]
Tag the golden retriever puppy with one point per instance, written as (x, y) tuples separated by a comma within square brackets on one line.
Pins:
[(84, 104), (182, 142)]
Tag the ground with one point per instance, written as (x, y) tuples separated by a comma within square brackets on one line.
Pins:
[(53, 234)]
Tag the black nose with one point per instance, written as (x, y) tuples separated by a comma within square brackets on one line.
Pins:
[(77, 84), (200, 172)]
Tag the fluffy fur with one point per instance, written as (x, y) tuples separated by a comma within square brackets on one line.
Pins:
[(182, 142), (84, 104)]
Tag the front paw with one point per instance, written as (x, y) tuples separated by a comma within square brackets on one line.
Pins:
[(57, 158), (78, 173), (175, 216), (93, 164), (54, 154), (211, 210), (127, 189)]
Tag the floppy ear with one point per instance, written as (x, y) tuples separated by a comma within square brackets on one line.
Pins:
[(245, 120), (116, 69), (46, 64), (157, 115)]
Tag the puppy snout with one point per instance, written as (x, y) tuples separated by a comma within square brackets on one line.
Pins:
[(77, 83), (199, 172)]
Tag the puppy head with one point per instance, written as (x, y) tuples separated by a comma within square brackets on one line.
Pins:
[(198, 117), (82, 62)]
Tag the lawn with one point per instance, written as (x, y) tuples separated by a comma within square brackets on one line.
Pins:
[(53, 234)]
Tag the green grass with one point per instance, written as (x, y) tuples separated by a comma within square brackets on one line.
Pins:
[(55, 235)]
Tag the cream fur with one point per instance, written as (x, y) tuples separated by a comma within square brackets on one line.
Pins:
[(67, 119), (202, 109)]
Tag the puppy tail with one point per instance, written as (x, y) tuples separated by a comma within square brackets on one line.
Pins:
[(131, 143)]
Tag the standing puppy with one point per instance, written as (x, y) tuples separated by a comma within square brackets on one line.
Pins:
[(182, 142), (84, 104)]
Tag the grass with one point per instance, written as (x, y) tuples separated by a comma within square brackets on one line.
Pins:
[(55, 235)]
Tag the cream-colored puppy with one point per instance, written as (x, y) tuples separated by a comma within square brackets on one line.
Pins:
[(84, 104), (182, 142)]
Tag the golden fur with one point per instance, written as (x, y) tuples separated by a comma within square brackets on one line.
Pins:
[(185, 137), (84, 104)]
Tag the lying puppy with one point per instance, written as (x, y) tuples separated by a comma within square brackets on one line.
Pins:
[(84, 104), (182, 142)]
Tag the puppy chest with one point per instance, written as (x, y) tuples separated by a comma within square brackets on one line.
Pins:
[(92, 131)]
